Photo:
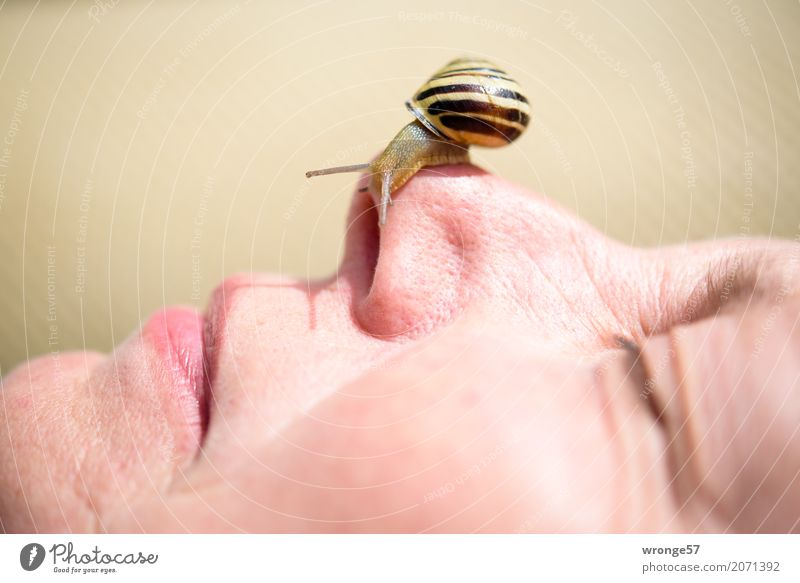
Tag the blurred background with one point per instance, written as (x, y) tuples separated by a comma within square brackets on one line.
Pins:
[(148, 149)]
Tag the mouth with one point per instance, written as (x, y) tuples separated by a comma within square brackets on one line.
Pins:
[(177, 335)]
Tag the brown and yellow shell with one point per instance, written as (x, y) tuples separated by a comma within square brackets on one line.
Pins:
[(472, 102)]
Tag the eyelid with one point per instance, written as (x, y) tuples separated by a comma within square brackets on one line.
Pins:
[(640, 375)]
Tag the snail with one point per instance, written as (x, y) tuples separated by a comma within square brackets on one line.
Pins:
[(467, 102)]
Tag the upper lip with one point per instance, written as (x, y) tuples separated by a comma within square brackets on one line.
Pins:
[(175, 335)]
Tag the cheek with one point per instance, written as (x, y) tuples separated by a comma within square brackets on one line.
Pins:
[(40, 449)]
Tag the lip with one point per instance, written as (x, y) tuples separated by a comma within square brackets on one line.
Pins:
[(176, 334)]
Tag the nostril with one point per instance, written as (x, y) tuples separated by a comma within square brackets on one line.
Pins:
[(418, 279), (362, 244)]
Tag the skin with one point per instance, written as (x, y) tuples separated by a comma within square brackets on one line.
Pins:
[(484, 362)]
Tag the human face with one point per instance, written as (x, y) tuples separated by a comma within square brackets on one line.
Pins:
[(461, 371)]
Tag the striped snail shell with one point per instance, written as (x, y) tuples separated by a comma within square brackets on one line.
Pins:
[(472, 101), (467, 102)]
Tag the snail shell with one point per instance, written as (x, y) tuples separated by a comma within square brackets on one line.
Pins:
[(467, 102), (472, 101)]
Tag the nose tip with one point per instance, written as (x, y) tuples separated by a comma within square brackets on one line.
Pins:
[(426, 253)]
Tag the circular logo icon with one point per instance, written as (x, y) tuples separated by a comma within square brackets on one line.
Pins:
[(31, 556)]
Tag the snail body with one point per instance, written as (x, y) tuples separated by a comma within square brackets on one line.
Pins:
[(467, 102)]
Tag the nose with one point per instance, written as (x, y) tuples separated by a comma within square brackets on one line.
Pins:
[(459, 240), (432, 253)]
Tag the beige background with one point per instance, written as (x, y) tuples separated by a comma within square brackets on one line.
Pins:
[(156, 147)]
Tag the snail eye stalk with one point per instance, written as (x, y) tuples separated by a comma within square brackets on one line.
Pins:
[(338, 170)]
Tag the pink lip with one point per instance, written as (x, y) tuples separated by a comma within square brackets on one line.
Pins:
[(177, 336)]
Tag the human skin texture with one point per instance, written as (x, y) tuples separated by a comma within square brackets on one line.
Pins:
[(484, 362)]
